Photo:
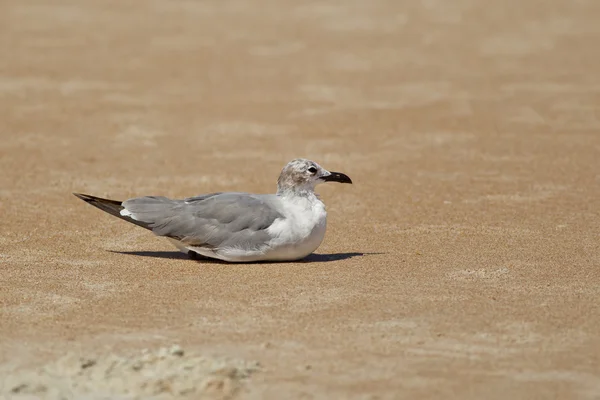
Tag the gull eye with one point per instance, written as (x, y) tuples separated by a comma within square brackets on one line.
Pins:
[(312, 170)]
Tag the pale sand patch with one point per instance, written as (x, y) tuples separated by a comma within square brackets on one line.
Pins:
[(587, 385), (164, 373), (361, 23), (277, 50), (42, 304), (481, 273), (398, 97), (536, 193), (247, 128), (101, 289), (528, 115), (134, 135), (515, 45), (17, 85)]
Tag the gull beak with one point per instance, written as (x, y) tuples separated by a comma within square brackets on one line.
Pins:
[(337, 177)]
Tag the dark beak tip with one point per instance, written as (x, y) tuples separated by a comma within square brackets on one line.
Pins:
[(345, 179), (338, 177)]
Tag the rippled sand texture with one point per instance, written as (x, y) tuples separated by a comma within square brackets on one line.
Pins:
[(464, 263)]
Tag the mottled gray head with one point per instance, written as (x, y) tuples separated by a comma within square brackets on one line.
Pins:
[(301, 175)]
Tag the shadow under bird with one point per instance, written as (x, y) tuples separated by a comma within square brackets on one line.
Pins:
[(238, 227)]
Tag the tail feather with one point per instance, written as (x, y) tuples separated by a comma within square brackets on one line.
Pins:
[(113, 207)]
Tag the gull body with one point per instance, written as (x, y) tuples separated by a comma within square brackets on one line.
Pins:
[(239, 227)]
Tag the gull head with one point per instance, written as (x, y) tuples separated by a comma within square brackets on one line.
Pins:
[(301, 175)]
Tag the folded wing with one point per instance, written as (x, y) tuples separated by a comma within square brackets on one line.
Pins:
[(211, 221)]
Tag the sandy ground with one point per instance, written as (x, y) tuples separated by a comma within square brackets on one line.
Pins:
[(463, 263)]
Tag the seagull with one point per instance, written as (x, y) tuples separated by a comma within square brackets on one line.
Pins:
[(235, 226)]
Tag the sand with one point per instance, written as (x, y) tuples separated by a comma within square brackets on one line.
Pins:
[(464, 262), (158, 374)]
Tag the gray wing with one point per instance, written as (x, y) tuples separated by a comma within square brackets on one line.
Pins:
[(210, 221)]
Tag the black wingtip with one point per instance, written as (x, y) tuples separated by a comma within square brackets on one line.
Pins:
[(83, 197), (113, 207), (88, 198), (99, 201)]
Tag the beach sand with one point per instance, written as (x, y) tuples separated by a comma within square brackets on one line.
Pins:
[(463, 263)]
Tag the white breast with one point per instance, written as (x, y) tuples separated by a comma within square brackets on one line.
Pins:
[(300, 232)]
